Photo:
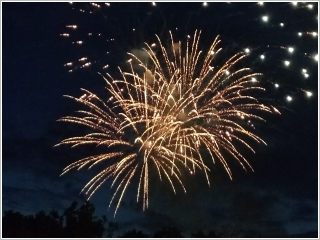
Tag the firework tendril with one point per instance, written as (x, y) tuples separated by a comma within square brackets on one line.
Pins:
[(164, 114)]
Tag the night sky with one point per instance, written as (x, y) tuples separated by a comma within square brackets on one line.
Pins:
[(278, 199)]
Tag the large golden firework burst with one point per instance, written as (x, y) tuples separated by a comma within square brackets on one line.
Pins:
[(165, 113)]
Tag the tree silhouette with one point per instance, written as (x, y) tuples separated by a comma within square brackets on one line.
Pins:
[(134, 234), (73, 223), (225, 231), (42, 225), (112, 227), (168, 232), (81, 223), (199, 234)]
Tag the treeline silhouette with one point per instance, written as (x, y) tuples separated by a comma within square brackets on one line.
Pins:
[(73, 223), (81, 223)]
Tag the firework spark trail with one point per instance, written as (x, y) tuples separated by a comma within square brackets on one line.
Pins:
[(178, 105)]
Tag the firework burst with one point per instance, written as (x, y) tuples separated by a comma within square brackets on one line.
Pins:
[(165, 113)]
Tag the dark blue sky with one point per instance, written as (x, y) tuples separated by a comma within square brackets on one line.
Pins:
[(279, 199)]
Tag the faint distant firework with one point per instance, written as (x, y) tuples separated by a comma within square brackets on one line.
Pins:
[(165, 113), (280, 37)]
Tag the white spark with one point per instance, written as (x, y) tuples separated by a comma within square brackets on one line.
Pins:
[(309, 94), (310, 6)]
